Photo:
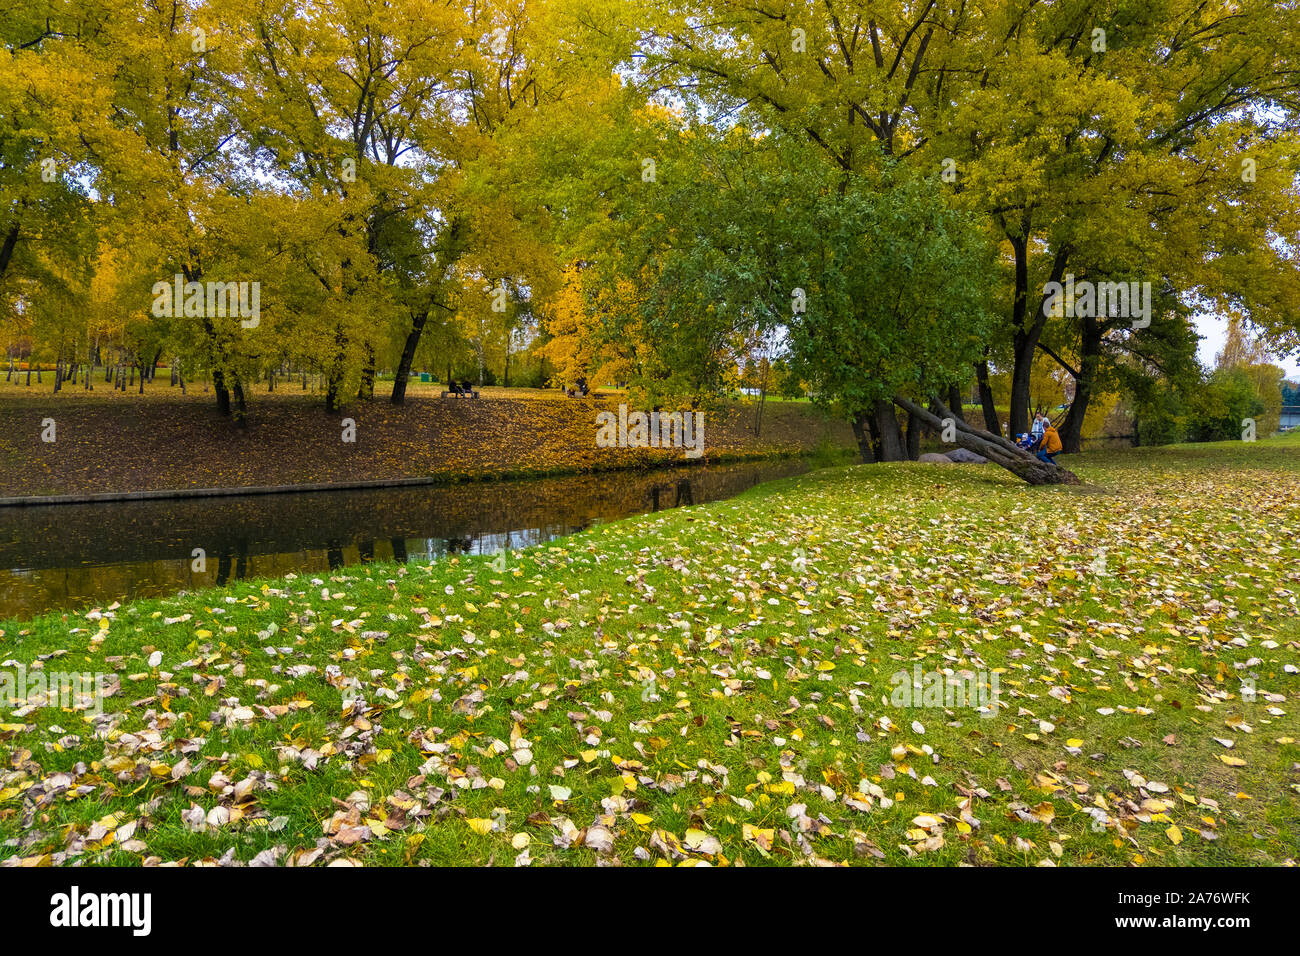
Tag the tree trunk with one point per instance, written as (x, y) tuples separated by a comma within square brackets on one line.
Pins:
[(368, 373), (334, 378), (1090, 358), (995, 448), (1026, 333), (886, 436), (914, 437), (987, 405), (240, 408), (955, 401), (408, 356), (860, 432), (222, 393), (7, 248), (1024, 340)]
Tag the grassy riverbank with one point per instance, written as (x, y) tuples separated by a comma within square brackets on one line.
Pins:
[(108, 441), (713, 684)]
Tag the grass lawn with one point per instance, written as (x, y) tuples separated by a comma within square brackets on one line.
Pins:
[(713, 684)]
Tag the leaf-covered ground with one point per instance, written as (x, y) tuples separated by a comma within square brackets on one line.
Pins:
[(120, 441), (713, 685)]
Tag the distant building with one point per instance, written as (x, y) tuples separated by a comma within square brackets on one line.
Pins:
[(1290, 406)]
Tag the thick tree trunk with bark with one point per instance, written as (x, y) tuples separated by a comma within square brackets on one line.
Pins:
[(995, 448), (1027, 331), (418, 320), (368, 373), (886, 436), (987, 405), (239, 406), (955, 399), (222, 393), (914, 437), (1084, 379), (449, 253), (334, 378), (862, 434), (7, 248)]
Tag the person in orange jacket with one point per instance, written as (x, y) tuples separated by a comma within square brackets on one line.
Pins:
[(1049, 446)]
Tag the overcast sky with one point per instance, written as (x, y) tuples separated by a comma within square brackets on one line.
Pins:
[(1213, 330)]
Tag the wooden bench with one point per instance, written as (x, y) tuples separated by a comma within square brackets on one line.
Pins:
[(470, 395)]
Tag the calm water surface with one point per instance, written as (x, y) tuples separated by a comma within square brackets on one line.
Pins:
[(70, 556)]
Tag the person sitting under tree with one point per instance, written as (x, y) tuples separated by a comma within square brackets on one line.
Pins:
[(1048, 446), (1036, 429)]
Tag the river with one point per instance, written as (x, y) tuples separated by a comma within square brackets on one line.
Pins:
[(76, 556)]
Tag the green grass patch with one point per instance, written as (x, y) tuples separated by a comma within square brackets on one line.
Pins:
[(716, 684)]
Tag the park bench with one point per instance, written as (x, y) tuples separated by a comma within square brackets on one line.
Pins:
[(472, 394)]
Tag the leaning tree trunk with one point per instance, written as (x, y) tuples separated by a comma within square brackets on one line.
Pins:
[(995, 448), (418, 319)]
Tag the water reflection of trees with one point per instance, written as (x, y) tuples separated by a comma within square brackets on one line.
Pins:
[(80, 555)]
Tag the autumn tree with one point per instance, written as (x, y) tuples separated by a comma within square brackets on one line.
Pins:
[(1095, 138)]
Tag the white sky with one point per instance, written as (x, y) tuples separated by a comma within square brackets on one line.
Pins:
[(1213, 330)]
